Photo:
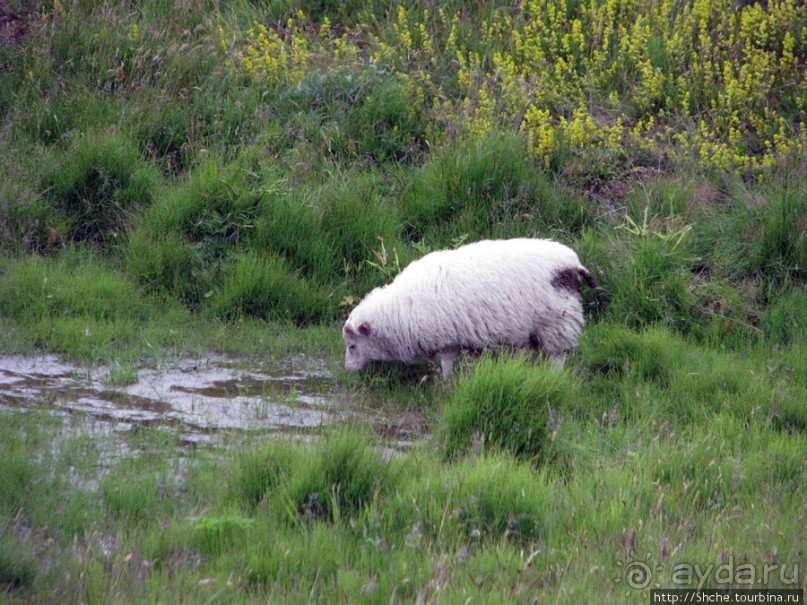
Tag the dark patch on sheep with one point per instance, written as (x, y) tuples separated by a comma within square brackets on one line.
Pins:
[(567, 279)]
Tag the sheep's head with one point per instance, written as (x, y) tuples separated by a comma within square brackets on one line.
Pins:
[(361, 346)]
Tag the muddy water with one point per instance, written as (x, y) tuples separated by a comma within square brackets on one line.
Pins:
[(200, 398)]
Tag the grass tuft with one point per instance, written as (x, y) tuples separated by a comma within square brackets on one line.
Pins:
[(344, 476), (98, 187), (507, 403), (265, 287)]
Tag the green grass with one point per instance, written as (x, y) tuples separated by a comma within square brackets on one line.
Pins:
[(489, 188), (266, 288), (287, 520), (507, 404), (176, 181)]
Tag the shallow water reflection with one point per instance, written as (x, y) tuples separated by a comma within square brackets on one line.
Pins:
[(198, 396)]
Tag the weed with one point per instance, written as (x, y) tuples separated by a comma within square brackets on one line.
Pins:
[(389, 268)]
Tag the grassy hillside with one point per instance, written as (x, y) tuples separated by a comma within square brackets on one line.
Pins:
[(183, 177)]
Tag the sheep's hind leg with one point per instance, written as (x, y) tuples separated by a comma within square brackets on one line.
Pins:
[(448, 357)]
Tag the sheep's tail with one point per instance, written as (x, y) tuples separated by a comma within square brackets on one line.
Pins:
[(587, 277)]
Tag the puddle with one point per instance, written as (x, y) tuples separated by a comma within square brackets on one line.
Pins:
[(199, 397), (203, 400)]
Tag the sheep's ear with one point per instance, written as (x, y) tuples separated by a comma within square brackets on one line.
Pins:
[(364, 329), (348, 330)]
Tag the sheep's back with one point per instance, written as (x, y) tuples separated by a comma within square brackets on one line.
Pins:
[(485, 294)]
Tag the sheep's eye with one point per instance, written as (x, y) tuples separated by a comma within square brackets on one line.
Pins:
[(351, 348)]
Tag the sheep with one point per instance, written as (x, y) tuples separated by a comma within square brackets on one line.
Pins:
[(486, 295)]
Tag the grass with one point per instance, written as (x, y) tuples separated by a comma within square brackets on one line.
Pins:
[(507, 404), (335, 520), (177, 180)]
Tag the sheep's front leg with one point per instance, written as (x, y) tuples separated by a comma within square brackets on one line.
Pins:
[(448, 357)]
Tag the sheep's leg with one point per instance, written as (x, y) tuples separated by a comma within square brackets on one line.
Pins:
[(448, 357), (556, 361)]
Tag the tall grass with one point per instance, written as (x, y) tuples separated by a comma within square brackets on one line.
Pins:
[(489, 189), (98, 188), (266, 288), (507, 404)]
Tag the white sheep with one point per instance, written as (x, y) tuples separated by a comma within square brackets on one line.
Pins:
[(485, 295)]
